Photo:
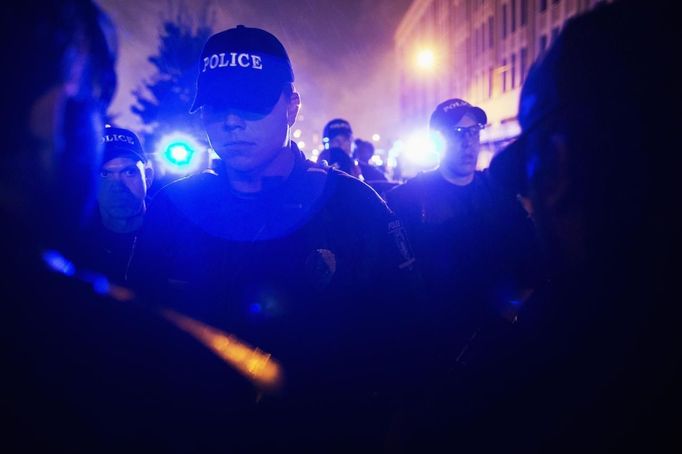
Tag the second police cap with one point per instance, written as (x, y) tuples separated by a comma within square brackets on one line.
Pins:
[(244, 68), (335, 127), (119, 142), (448, 113)]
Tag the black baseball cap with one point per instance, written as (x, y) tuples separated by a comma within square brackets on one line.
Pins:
[(335, 127), (245, 68), (121, 142), (449, 112)]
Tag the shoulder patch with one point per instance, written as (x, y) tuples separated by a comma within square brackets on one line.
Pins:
[(321, 266), (399, 236)]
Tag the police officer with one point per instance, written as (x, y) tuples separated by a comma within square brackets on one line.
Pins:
[(299, 260), (124, 179), (338, 133), (474, 243), (337, 137), (363, 153)]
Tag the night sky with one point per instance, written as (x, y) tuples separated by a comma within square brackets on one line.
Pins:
[(341, 50)]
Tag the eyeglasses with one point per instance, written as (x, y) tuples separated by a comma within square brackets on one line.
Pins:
[(462, 132)]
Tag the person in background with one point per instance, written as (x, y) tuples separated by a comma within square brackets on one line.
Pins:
[(337, 137), (363, 153), (337, 133), (124, 179), (370, 174), (474, 244)]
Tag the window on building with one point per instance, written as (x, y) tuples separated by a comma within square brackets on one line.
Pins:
[(483, 36), (476, 39), (481, 81), (555, 33), (542, 46), (490, 82), (504, 21), (513, 16), (543, 5), (466, 51), (491, 32), (524, 13), (513, 71), (481, 39), (504, 75), (524, 64)]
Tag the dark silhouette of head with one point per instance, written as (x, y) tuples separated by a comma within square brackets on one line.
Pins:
[(363, 150), (55, 93), (591, 151)]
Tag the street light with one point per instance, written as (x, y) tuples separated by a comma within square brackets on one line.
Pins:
[(426, 60)]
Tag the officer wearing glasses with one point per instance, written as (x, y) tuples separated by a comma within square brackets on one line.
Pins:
[(459, 124), (473, 242)]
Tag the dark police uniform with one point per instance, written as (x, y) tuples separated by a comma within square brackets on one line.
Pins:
[(312, 270), (474, 238), (106, 251), (475, 247)]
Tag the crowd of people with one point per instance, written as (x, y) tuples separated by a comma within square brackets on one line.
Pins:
[(279, 303)]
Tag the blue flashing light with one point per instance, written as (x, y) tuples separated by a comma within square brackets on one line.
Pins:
[(423, 149), (57, 262), (179, 154)]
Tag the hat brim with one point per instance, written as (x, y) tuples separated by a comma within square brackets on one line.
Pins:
[(121, 152), (256, 99), (478, 114), (239, 89), (444, 121)]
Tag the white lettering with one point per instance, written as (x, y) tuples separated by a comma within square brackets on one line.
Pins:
[(243, 63), (221, 60), (454, 105), (118, 138)]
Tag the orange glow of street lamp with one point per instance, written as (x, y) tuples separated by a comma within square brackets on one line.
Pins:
[(426, 60)]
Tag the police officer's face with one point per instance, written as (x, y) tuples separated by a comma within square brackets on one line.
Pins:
[(249, 142), (122, 188), (462, 144), (342, 141)]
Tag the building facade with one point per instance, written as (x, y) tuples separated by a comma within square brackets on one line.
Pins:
[(477, 50)]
